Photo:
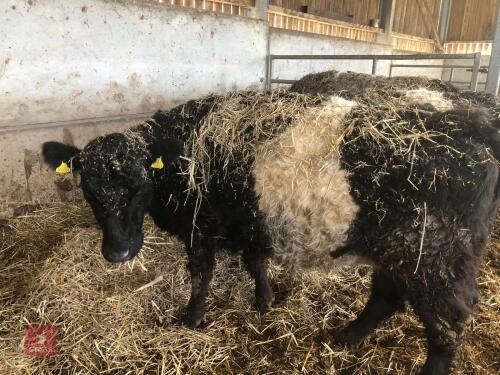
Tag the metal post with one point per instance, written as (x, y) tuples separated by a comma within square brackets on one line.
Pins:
[(494, 68), (269, 72), (390, 70), (387, 15), (452, 72), (374, 66), (475, 71), (444, 19), (386, 19), (261, 7)]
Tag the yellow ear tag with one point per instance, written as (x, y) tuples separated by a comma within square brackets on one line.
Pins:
[(63, 169), (158, 164)]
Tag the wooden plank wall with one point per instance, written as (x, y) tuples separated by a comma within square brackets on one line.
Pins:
[(408, 17), (472, 20), (411, 17), (362, 11), (291, 20), (233, 7)]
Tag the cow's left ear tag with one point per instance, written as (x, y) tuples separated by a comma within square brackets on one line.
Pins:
[(158, 164), (63, 168)]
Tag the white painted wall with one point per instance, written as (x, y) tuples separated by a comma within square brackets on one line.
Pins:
[(73, 59)]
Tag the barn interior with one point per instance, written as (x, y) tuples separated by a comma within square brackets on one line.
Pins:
[(71, 71)]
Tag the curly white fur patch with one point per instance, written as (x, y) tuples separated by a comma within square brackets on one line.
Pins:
[(422, 96), (302, 189)]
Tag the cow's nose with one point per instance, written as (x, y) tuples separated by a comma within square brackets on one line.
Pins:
[(116, 256)]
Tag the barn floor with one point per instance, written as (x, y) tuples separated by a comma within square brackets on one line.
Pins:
[(110, 320)]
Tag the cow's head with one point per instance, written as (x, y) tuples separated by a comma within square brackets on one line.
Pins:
[(117, 181)]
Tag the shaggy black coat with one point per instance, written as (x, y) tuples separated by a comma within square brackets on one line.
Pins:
[(427, 248), (226, 216), (434, 269)]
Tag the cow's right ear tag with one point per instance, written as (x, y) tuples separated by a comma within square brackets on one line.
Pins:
[(158, 164), (63, 168)]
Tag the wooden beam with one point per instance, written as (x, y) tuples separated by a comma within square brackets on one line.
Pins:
[(430, 22)]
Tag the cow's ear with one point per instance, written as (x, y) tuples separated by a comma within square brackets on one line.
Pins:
[(165, 152), (60, 157)]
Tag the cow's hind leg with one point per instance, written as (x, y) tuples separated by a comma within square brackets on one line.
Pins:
[(386, 298), (201, 264), (256, 260), (444, 315)]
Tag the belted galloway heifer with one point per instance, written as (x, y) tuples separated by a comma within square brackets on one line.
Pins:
[(407, 180)]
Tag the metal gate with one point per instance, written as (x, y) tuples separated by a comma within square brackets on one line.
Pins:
[(474, 66)]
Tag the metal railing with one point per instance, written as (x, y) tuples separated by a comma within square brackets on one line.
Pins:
[(475, 57)]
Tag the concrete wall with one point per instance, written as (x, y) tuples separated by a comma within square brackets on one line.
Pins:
[(72, 59), (25, 180), (77, 59)]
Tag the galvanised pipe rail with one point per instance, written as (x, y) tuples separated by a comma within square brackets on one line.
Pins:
[(476, 57)]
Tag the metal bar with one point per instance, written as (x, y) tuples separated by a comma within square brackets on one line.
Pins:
[(430, 66), (78, 122), (475, 71), (444, 19), (287, 81), (452, 71), (378, 57), (292, 81), (374, 67), (468, 82), (387, 8), (269, 72), (260, 9), (375, 58)]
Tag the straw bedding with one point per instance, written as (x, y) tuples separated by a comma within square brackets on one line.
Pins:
[(52, 272)]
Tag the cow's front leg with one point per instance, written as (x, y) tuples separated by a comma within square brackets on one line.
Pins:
[(201, 265), (256, 262)]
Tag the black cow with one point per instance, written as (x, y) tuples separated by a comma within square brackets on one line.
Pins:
[(121, 185), (450, 189)]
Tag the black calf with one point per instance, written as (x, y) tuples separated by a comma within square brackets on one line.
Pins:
[(121, 184)]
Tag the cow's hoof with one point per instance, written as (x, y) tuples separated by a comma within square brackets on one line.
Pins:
[(191, 321), (193, 316), (350, 335), (264, 304)]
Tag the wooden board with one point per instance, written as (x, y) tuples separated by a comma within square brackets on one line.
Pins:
[(409, 18), (472, 20), (361, 11)]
